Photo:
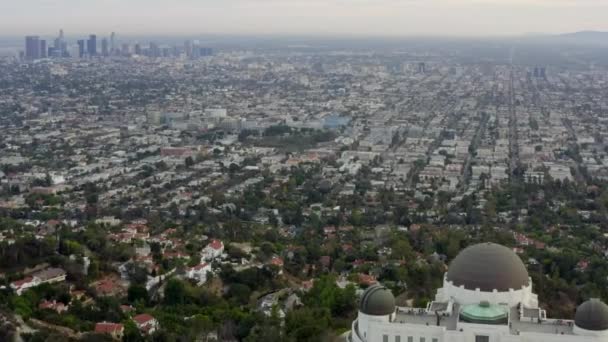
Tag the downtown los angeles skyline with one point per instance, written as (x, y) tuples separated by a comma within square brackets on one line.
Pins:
[(316, 17)]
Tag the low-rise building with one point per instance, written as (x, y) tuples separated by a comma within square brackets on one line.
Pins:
[(146, 323)]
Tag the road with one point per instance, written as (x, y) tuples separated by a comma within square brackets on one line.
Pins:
[(513, 138), (466, 173)]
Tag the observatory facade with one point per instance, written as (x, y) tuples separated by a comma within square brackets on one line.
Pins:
[(486, 297)]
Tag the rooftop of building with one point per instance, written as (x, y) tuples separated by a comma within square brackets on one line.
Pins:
[(524, 321)]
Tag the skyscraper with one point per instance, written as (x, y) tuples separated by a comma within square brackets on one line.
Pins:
[(125, 49), (32, 47), (205, 51), (92, 45), (421, 68), (113, 43), (57, 48), (104, 47), (60, 46), (137, 49), (188, 48), (154, 50), (57, 44), (81, 50), (43, 50), (64, 50)]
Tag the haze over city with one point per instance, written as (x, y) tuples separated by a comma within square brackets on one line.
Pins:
[(311, 17)]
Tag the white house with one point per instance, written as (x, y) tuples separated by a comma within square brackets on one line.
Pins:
[(198, 272), (213, 250), (49, 275), (146, 323)]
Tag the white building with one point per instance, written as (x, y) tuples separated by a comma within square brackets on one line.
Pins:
[(47, 276), (146, 323), (198, 273), (213, 250), (486, 297)]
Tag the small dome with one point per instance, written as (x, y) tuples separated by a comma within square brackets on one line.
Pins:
[(484, 313), (377, 300), (592, 315), (488, 266)]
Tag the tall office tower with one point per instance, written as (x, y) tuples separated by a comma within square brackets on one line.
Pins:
[(92, 45), (57, 43), (81, 50), (113, 43), (125, 49), (421, 68), (137, 49), (57, 48), (43, 50), (60, 46), (64, 50), (104, 47), (154, 50), (204, 52), (32, 47), (188, 48)]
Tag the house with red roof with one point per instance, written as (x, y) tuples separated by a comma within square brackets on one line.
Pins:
[(358, 262), (49, 275), (126, 309), (278, 262), (347, 248), (582, 265), (146, 323), (175, 255), (325, 261), (213, 250), (539, 245), (19, 286), (415, 227), (116, 330), (58, 307), (199, 272), (109, 286), (366, 279), (329, 230), (307, 285)]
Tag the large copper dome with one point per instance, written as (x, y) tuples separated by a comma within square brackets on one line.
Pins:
[(488, 267)]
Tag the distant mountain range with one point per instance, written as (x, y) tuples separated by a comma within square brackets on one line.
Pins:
[(586, 35), (581, 37)]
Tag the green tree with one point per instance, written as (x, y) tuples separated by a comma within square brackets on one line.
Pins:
[(175, 292), (137, 293), (131, 333), (189, 162), (307, 324)]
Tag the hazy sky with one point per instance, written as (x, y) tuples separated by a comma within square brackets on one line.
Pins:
[(332, 17)]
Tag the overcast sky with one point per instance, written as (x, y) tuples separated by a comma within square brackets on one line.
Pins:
[(331, 17)]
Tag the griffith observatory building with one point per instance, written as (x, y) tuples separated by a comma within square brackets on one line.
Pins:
[(486, 297)]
